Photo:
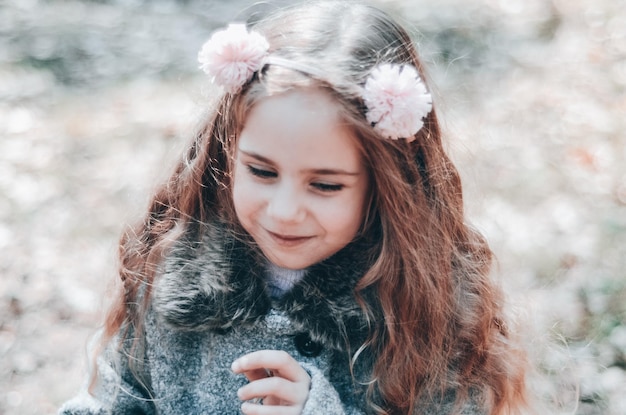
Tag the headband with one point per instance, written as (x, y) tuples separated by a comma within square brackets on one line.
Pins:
[(396, 98)]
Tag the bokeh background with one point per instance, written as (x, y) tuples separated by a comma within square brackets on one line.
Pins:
[(97, 97)]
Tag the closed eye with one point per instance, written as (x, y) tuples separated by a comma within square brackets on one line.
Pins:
[(327, 187), (262, 173)]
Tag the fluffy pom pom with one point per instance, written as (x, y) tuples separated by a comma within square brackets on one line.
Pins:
[(231, 56), (397, 100)]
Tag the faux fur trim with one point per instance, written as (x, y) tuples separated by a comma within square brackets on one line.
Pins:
[(212, 281), (208, 276)]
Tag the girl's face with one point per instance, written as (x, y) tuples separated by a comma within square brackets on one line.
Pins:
[(300, 186)]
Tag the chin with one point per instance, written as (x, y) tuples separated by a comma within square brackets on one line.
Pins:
[(291, 264), (288, 263)]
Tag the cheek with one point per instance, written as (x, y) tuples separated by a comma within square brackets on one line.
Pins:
[(243, 198), (343, 221)]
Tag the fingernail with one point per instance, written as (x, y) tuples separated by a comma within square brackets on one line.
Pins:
[(235, 366)]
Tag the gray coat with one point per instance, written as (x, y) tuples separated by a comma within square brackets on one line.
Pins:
[(210, 305)]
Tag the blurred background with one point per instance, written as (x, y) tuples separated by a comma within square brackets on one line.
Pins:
[(97, 97)]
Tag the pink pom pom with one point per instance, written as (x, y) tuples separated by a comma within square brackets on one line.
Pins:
[(397, 101), (231, 56)]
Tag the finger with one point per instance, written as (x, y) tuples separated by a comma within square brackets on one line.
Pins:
[(254, 409), (278, 389), (257, 374), (278, 361)]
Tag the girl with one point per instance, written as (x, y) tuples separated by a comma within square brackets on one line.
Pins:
[(309, 255)]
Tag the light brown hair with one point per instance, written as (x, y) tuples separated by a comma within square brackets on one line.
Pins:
[(442, 325)]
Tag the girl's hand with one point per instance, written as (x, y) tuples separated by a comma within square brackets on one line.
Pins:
[(276, 379)]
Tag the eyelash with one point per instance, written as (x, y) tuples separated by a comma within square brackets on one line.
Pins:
[(327, 187), (268, 174), (264, 174)]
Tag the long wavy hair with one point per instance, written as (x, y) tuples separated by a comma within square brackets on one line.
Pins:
[(438, 324)]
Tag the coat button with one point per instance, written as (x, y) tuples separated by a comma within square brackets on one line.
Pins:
[(307, 347)]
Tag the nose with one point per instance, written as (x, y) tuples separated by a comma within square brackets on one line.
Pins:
[(286, 204)]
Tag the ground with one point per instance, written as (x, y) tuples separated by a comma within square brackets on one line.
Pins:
[(98, 97)]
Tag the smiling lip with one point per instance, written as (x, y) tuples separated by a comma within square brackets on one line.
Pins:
[(288, 240)]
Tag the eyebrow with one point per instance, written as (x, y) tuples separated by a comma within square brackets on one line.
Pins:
[(323, 171)]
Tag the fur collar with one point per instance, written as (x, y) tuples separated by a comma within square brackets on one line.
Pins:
[(213, 281)]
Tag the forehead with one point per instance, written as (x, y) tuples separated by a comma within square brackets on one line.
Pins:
[(301, 125)]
